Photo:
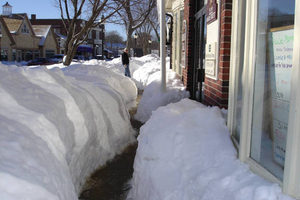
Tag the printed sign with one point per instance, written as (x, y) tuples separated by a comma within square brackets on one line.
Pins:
[(281, 63), (212, 14), (210, 59)]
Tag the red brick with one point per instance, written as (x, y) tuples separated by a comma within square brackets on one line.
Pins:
[(224, 51)]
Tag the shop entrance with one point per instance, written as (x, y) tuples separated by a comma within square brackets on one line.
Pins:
[(199, 57)]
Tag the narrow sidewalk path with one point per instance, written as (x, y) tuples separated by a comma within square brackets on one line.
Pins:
[(111, 181)]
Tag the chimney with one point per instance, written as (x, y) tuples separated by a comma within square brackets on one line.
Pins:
[(33, 16)]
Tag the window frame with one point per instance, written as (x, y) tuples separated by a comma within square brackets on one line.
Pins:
[(291, 176)]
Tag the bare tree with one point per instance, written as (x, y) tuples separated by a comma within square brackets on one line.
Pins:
[(113, 37), (152, 20), (72, 13), (132, 15), (144, 35)]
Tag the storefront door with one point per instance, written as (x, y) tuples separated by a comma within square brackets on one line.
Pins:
[(199, 57)]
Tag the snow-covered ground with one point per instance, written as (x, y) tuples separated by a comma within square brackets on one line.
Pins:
[(185, 152), (58, 124)]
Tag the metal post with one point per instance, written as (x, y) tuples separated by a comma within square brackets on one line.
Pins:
[(102, 35), (135, 37), (0, 47), (150, 41), (135, 47), (163, 45)]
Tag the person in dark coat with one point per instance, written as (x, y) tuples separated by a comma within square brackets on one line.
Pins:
[(125, 62)]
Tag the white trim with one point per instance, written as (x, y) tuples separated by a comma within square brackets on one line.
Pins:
[(233, 67), (261, 171), (235, 60), (247, 79)]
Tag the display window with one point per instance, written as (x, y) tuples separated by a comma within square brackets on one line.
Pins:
[(272, 84), (265, 88)]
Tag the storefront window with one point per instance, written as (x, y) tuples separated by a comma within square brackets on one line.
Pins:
[(272, 83), (36, 53), (49, 53)]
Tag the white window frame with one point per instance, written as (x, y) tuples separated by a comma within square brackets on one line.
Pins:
[(25, 30), (291, 179)]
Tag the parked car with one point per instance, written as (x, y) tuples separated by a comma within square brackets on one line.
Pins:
[(100, 57), (40, 61), (58, 58), (78, 58)]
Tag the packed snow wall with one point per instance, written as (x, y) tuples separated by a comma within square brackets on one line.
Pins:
[(57, 126)]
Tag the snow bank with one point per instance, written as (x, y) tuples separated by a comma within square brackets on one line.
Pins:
[(146, 74), (185, 152), (58, 125)]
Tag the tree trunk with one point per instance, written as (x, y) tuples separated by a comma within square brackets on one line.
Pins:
[(128, 42)]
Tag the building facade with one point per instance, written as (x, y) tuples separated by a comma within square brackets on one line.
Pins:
[(20, 41), (94, 44), (243, 55), (202, 31)]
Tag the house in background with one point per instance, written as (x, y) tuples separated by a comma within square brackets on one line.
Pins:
[(21, 41), (94, 45), (116, 48)]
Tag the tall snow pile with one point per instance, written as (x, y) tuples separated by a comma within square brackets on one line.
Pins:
[(58, 125), (146, 73), (185, 152), (148, 78)]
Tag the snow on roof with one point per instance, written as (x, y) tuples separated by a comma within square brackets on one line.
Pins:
[(41, 31), (13, 25), (61, 36), (109, 51)]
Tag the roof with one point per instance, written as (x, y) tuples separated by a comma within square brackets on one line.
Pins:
[(7, 4), (109, 51), (41, 31), (6, 30), (13, 24), (16, 16), (61, 36), (118, 45)]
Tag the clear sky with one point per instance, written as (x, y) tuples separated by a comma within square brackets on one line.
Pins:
[(45, 9)]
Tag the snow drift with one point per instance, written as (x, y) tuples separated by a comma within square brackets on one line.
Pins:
[(185, 152), (58, 125)]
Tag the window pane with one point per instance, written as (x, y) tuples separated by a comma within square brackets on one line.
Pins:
[(274, 50)]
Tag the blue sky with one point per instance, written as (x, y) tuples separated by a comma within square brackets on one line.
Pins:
[(44, 9)]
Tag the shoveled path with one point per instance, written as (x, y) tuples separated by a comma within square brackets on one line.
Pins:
[(110, 181)]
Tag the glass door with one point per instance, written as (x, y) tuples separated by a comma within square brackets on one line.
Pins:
[(199, 57)]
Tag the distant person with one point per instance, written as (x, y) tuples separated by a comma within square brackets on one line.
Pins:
[(125, 62)]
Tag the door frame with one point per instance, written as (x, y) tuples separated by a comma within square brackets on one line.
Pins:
[(198, 72)]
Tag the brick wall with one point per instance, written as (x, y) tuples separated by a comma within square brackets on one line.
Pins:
[(187, 73), (216, 91)]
